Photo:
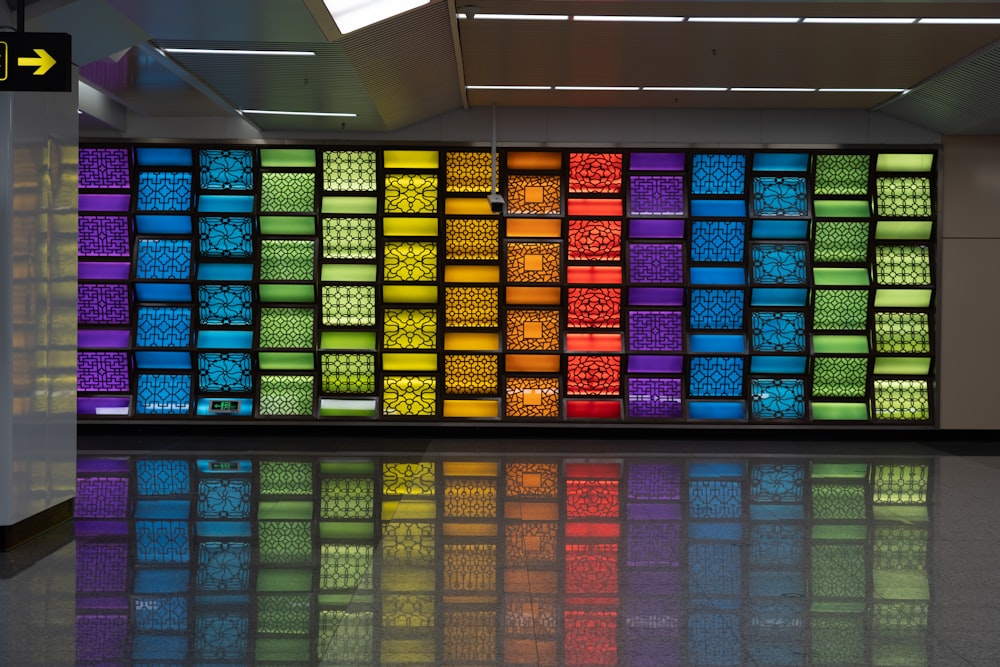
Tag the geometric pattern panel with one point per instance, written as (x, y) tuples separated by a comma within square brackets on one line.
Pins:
[(717, 241), (780, 196), (781, 331), (718, 174), (656, 263)]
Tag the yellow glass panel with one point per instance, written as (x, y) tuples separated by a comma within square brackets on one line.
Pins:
[(483, 409), (472, 341), (470, 530), (534, 228), (534, 296), (411, 193), (408, 651), (409, 509), (471, 239), (474, 374), (471, 306), (401, 578), (408, 478), (409, 226), (410, 261), (469, 468), (407, 159), (395, 361), (409, 395), (467, 206), (534, 160), (531, 363), (409, 293), (469, 171), (472, 274)]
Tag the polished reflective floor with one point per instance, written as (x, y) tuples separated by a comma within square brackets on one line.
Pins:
[(463, 557)]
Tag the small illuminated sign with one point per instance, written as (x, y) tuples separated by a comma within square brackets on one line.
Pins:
[(36, 61), (227, 406)]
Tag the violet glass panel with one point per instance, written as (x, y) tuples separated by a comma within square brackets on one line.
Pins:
[(656, 229), (98, 405), (101, 567), (101, 497), (653, 511), (91, 202), (105, 168), (103, 236), (654, 481), (102, 371), (655, 364), (654, 397), (102, 303), (656, 195), (101, 465), (102, 338), (656, 296), (101, 638), (100, 527), (655, 330), (656, 161), (103, 270), (656, 263)]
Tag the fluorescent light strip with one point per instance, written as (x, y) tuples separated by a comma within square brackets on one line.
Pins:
[(521, 17), (863, 90), (239, 52), (268, 112), (630, 19), (858, 20), (743, 19), (707, 89), (696, 89), (508, 87), (958, 21), (773, 90), (597, 88), (846, 20)]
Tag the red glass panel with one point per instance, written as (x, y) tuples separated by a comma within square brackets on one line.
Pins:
[(594, 207), (577, 409), (602, 530), (593, 470), (595, 172), (591, 569), (592, 275), (593, 375), (585, 342), (591, 498), (595, 240), (591, 638), (593, 308)]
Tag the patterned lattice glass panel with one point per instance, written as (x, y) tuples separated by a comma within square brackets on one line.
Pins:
[(533, 262), (163, 259), (718, 174), (901, 484), (591, 569), (285, 478), (593, 375), (286, 192), (408, 479), (468, 171), (783, 196), (411, 193), (286, 395), (532, 479), (225, 304), (226, 169), (162, 541), (595, 172), (285, 542), (778, 399), (717, 309), (714, 570), (470, 568), (902, 332), (287, 259), (103, 236), (656, 195), (346, 566), (531, 542), (780, 331), (840, 309), (348, 373), (162, 477), (101, 497), (534, 195), (225, 371), (410, 261), (779, 263), (656, 263), (594, 241), (104, 168), (471, 306), (593, 307), (347, 498), (103, 303), (221, 635), (349, 171), (409, 395), (717, 240), (102, 371), (842, 174), (716, 376), (472, 239), (838, 501), (163, 394), (163, 191), (592, 498), (101, 567), (903, 265), (349, 238), (840, 376), (230, 236), (348, 305), (470, 636), (408, 543), (471, 499), (902, 399), (470, 374), (654, 481), (655, 330), (838, 571), (283, 614), (527, 615), (406, 610), (776, 545), (841, 242), (900, 548), (532, 397), (838, 639), (410, 329), (220, 498), (904, 196), (347, 635), (535, 330), (654, 397), (715, 499), (654, 544), (286, 327)]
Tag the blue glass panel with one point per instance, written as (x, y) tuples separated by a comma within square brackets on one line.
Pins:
[(175, 361), (223, 529), (225, 236), (787, 653), (716, 309), (163, 326), (223, 566), (225, 340), (162, 613), (707, 470), (718, 174), (783, 331), (162, 509), (716, 377), (161, 581), (714, 569), (225, 304), (764, 583), (716, 410), (777, 483), (780, 196), (721, 343), (228, 272), (226, 169), (776, 512), (163, 224), (778, 399), (779, 263), (717, 240), (224, 371), (162, 477), (163, 157), (778, 365), (163, 259), (225, 204), (169, 292), (223, 498), (205, 408), (159, 647), (164, 191), (780, 161), (221, 635), (717, 275), (162, 541), (163, 394), (778, 296), (718, 208), (780, 229), (715, 530)]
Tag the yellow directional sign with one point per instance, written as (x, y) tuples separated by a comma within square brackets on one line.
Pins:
[(36, 61)]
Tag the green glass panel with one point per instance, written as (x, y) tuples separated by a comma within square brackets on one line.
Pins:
[(903, 298), (904, 162), (349, 305), (354, 273), (901, 584), (348, 205), (837, 607), (837, 639), (285, 542), (900, 547), (838, 571), (840, 309), (347, 340), (285, 478), (272, 579), (901, 484), (902, 366), (902, 400), (839, 501), (832, 276), (903, 197), (287, 259), (286, 327), (349, 170), (841, 242), (348, 498), (286, 293), (335, 600), (356, 407), (347, 467), (902, 332), (840, 411), (285, 361), (903, 265), (840, 376), (297, 225), (349, 238), (837, 531), (899, 654), (901, 513), (269, 649), (346, 566), (287, 192), (285, 509), (842, 174), (348, 373), (825, 344), (902, 230), (286, 395), (282, 614), (287, 157), (841, 208), (346, 530)]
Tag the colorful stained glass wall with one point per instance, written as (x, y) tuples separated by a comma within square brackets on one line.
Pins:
[(761, 287)]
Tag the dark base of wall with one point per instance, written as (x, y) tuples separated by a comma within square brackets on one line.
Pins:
[(22, 532)]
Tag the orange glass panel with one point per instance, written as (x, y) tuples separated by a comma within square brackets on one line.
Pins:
[(470, 529), (594, 207), (469, 469), (532, 479), (471, 341), (532, 363), (534, 195), (534, 160), (594, 275), (530, 296), (534, 228), (471, 273), (467, 206), (474, 409), (536, 330), (533, 262), (532, 397), (582, 342), (531, 511)]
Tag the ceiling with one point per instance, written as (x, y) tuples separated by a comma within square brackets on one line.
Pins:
[(420, 64)]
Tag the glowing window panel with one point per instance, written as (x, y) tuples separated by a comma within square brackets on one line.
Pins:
[(349, 171), (410, 193), (289, 192), (468, 171), (534, 195)]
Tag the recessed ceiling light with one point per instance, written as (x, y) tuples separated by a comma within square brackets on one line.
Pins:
[(772, 90), (508, 87), (351, 15), (269, 112), (521, 17), (957, 21), (240, 52), (628, 19), (597, 87), (858, 20), (715, 89), (862, 90), (743, 19)]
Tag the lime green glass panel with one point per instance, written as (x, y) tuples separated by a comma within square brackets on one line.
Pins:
[(838, 501), (294, 579), (293, 225), (287, 192), (414, 396), (347, 407), (832, 276), (348, 205), (902, 400), (410, 261), (285, 542), (409, 294), (411, 193), (901, 484), (286, 293), (346, 566), (900, 584), (904, 162), (351, 273), (841, 242), (286, 395), (348, 498), (301, 510), (838, 571), (906, 514), (840, 411), (347, 467), (286, 478), (349, 305), (837, 638), (903, 298), (842, 174), (286, 327), (840, 470), (345, 634), (823, 344), (347, 340), (348, 373), (410, 226), (287, 157), (351, 171), (902, 547), (410, 159), (840, 309), (287, 259), (903, 265), (837, 607), (907, 333), (346, 530), (903, 230), (285, 361), (841, 208), (838, 531), (903, 197), (902, 366), (840, 376), (899, 654), (410, 329), (349, 238), (271, 650)]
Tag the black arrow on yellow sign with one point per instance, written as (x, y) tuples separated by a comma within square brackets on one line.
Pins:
[(43, 62)]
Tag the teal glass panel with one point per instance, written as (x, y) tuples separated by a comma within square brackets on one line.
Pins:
[(783, 196), (225, 272), (720, 410), (715, 530), (716, 343), (226, 169), (163, 224), (718, 208), (155, 292), (163, 259), (778, 296), (224, 371), (163, 157), (780, 161), (163, 394), (711, 470), (225, 204), (778, 398), (718, 275), (779, 331), (225, 340), (780, 229), (163, 360), (164, 191), (244, 407), (225, 304), (225, 236), (778, 365), (779, 263)]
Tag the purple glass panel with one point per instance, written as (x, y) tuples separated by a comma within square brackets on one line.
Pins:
[(653, 543), (86, 527), (104, 168), (101, 497), (654, 397), (106, 338), (102, 405), (103, 236), (656, 229), (91, 202), (654, 511), (101, 465), (101, 638), (656, 263), (102, 371), (655, 330), (653, 481), (106, 602), (656, 296), (103, 270), (656, 195), (102, 303), (655, 364), (656, 161)]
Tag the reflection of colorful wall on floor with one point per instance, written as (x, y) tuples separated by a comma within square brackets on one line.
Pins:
[(507, 561), (641, 286)]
